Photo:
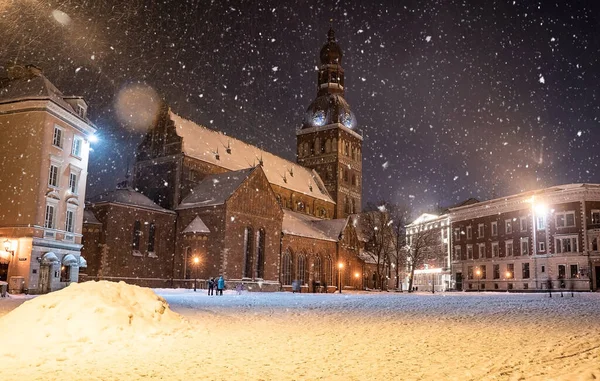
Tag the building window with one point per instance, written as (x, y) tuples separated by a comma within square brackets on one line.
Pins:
[(151, 237), (77, 144), (81, 111), (541, 222), (481, 228), (317, 270), (248, 234), (565, 219), (70, 221), (566, 244), (353, 179), (288, 265), (301, 276), (73, 183), (329, 271), (469, 232), (495, 250), (457, 234), (595, 217), (137, 233), (523, 221), (525, 270), (524, 246), (574, 271), (509, 249), (483, 269), (543, 269), (510, 271), (457, 253), (470, 272), (481, 250), (57, 138), (494, 228), (260, 254), (300, 206), (53, 176), (594, 244), (50, 216), (542, 246), (508, 226), (496, 270), (469, 251)]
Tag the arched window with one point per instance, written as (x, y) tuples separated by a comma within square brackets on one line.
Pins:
[(353, 153), (347, 149), (353, 206), (322, 145), (328, 271), (327, 146), (317, 145), (288, 269), (345, 175), (306, 149), (248, 252), (151, 237), (346, 205), (260, 254), (334, 146), (318, 270), (137, 233), (301, 275), (300, 206), (354, 179)]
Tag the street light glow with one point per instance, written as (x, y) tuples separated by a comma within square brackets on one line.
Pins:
[(540, 209), (196, 260), (93, 138), (341, 265)]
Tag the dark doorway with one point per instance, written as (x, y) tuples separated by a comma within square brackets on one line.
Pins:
[(3, 272), (458, 281), (597, 278)]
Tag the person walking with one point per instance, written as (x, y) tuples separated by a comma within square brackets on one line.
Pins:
[(211, 286), (220, 285), (549, 285)]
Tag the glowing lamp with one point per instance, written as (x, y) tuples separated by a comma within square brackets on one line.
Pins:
[(7, 246), (93, 138), (341, 265)]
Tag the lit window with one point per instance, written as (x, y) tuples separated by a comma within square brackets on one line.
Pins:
[(70, 221), (541, 222), (50, 217), (57, 138), (53, 176), (77, 144)]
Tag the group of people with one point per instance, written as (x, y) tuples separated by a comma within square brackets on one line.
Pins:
[(219, 284)]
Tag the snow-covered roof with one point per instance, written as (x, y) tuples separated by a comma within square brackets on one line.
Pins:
[(215, 189), (332, 228), (196, 226), (224, 151), (31, 83), (128, 197), (303, 225)]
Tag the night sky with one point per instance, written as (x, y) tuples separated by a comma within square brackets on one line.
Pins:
[(455, 99)]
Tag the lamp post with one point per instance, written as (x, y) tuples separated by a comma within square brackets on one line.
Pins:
[(357, 275), (340, 267), (478, 273), (508, 276), (196, 263)]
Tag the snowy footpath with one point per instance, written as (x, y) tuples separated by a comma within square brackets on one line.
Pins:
[(116, 332)]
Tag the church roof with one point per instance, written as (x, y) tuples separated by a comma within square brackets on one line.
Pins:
[(215, 189), (196, 226), (128, 197), (304, 225), (224, 151), (90, 218)]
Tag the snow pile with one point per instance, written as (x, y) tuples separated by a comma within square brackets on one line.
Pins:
[(90, 312)]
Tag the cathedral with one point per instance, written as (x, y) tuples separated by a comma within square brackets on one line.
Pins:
[(202, 204)]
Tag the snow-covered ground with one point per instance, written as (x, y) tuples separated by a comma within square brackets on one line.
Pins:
[(284, 336)]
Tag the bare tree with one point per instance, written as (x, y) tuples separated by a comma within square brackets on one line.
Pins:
[(400, 215), (376, 224), (422, 245)]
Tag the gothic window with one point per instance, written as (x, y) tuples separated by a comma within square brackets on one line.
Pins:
[(300, 206), (288, 268), (347, 149), (317, 269), (248, 252), (346, 205), (301, 276), (322, 145), (306, 149), (151, 237), (137, 233), (328, 146), (353, 153), (345, 175), (341, 173), (328, 271), (317, 145), (352, 207), (353, 179), (334, 146), (260, 254)]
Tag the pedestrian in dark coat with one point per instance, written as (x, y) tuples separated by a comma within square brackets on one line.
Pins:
[(549, 286), (220, 285), (211, 286)]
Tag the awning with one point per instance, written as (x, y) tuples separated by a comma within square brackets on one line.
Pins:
[(82, 262), (49, 259), (70, 260)]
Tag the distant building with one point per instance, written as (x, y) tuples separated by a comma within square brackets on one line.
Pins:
[(45, 140), (521, 242), (243, 212)]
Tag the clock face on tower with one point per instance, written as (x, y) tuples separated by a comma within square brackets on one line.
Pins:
[(347, 119), (319, 118)]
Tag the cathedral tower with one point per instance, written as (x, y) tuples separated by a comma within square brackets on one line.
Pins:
[(328, 141)]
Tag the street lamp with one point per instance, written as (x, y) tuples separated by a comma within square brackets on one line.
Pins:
[(357, 275), (508, 276), (478, 273), (196, 263), (340, 267)]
